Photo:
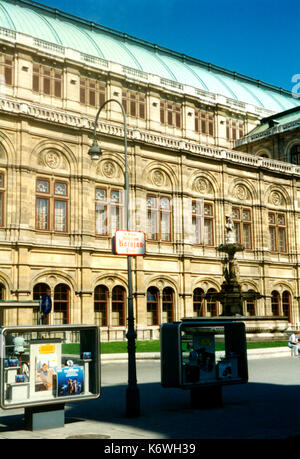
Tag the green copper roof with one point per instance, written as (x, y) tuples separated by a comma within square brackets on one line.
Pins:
[(66, 30), (288, 118)]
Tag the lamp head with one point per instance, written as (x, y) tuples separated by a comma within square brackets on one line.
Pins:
[(95, 151)]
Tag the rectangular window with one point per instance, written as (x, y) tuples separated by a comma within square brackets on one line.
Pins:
[(272, 232), (234, 129), (250, 308), (159, 217), (101, 212), (49, 201), (203, 222), (6, 68), (60, 207), (57, 84), (116, 207), (82, 92), (142, 107), (171, 114), (204, 122), (92, 92), (277, 232), (36, 78), (162, 112), (47, 80), (208, 224), (197, 221), (109, 211), (134, 104), (165, 219), (8, 71), (152, 218), (42, 214), (60, 215), (242, 222)]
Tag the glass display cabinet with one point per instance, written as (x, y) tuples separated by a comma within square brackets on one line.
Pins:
[(44, 365), (203, 352)]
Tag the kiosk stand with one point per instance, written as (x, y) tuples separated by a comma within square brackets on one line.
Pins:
[(60, 364), (44, 417), (190, 359)]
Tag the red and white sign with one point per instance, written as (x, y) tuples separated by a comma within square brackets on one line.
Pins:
[(130, 242)]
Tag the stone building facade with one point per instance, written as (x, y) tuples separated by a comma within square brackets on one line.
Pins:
[(59, 210)]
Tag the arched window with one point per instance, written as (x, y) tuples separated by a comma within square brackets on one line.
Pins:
[(152, 306), (118, 306), (295, 155), (251, 306), (286, 304), (61, 306), (2, 292), (38, 291), (211, 306), (100, 305), (275, 302), (168, 305), (198, 303)]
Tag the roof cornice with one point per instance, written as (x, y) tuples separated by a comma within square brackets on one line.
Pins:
[(154, 47)]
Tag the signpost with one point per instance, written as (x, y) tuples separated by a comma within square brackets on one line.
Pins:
[(130, 242)]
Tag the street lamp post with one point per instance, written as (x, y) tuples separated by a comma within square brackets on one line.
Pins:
[(132, 392)]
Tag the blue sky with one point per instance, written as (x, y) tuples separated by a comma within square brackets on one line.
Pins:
[(258, 38)]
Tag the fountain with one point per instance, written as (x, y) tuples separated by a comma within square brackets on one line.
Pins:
[(231, 296)]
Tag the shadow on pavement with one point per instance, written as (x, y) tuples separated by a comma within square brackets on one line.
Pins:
[(252, 410)]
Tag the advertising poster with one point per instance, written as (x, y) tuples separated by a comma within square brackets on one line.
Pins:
[(204, 345), (46, 362), (70, 380), (201, 363)]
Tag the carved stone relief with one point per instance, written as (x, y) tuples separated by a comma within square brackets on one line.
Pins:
[(276, 198), (240, 192), (51, 159), (158, 178), (109, 169), (203, 186)]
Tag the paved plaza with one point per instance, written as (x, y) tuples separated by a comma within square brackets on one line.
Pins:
[(261, 409)]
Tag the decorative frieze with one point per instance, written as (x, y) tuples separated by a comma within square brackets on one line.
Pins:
[(55, 116)]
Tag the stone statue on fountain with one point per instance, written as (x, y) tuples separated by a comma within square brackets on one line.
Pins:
[(231, 296)]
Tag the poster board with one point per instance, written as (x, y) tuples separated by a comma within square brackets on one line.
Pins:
[(45, 359), (201, 366), (70, 380)]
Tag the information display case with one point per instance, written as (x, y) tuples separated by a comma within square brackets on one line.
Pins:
[(44, 365), (196, 353)]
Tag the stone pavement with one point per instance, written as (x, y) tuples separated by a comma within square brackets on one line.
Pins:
[(260, 409)]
